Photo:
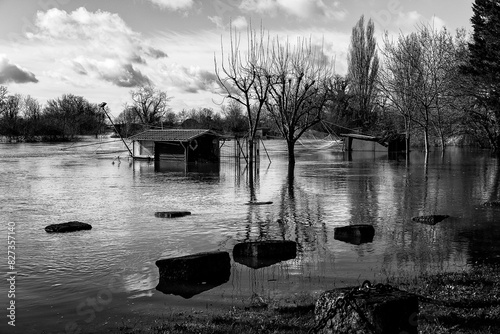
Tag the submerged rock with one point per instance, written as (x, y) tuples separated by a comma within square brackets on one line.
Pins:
[(259, 254), (258, 203), (354, 234), (189, 275), (172, 214), (68, 227), (430, 219)]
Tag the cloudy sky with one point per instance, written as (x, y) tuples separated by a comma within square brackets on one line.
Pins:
[(102, 49)]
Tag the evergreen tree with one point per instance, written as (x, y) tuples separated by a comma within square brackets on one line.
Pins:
[(483, 65)]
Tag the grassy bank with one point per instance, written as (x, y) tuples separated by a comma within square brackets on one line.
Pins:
[(296, 315), (466, 289)]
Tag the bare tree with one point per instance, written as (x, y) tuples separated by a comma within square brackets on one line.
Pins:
[(71, 115), (419, 78), (363, 66), (440, 71), (400, 76), (31, 110), (150, 104), (3, 98), (234, 119), (300, 76), (10, 115), (242, 77)]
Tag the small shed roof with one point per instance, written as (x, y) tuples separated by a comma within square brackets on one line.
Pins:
[(359, 136), (171, 134)]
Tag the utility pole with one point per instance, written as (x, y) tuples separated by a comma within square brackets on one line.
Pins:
[(102, 105)]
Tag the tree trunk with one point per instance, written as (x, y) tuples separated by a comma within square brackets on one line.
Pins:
[(291, 153), (426, 140), (407, 138), (443, 143), (496, 143), (251, 157)]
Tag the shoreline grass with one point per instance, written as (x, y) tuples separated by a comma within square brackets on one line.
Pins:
[(296, 314)]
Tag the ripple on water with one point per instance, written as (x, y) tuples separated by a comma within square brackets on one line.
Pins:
[(41, 185)]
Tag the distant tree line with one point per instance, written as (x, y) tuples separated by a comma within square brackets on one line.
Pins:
[(23, 118), (435, 87), (149, 110)]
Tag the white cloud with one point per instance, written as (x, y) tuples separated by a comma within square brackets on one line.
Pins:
[(303, 9), (437, 23), (218, 20), (94, 44), (10, 72), (260, 6), (240, 23), (111, 70), (173, 4), (408, 20)]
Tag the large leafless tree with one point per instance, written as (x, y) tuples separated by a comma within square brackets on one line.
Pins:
[(418, 79), (400, 76), (150, 104), (300, 76), (240, 73)]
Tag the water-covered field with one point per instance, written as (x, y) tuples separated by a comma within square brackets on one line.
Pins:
[(92, 279)]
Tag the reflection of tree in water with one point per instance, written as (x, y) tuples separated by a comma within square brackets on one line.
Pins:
[(438, 184), (483, 233), (493, 180), (364, 192), (295, 216), (415, 247), (301, 215)]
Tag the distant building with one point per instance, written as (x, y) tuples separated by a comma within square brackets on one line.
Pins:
[(190, 146), (358, 142)]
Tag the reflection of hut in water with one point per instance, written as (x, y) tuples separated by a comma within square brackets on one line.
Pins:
[(354, 234), (190, 275), (261, 254), (180, 149)]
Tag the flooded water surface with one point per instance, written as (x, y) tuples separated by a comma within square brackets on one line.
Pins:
[(92, 279)]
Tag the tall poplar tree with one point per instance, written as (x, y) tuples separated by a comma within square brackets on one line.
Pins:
[(363, 65)]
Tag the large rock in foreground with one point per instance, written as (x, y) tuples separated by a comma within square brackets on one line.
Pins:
[(259, 254), (68, 227), (366, 311), (354, 234), (189, 275)]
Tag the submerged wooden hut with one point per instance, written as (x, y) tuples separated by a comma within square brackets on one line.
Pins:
[(359, 142), (180, 145)]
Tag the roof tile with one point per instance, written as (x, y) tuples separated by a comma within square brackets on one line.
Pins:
[(170, 135)]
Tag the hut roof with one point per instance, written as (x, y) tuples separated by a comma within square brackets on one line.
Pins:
[(171, 134), (359, 136)]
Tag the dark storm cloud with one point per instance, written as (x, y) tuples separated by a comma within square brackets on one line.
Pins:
[(12, 73), (127, 77), (156, 53)]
